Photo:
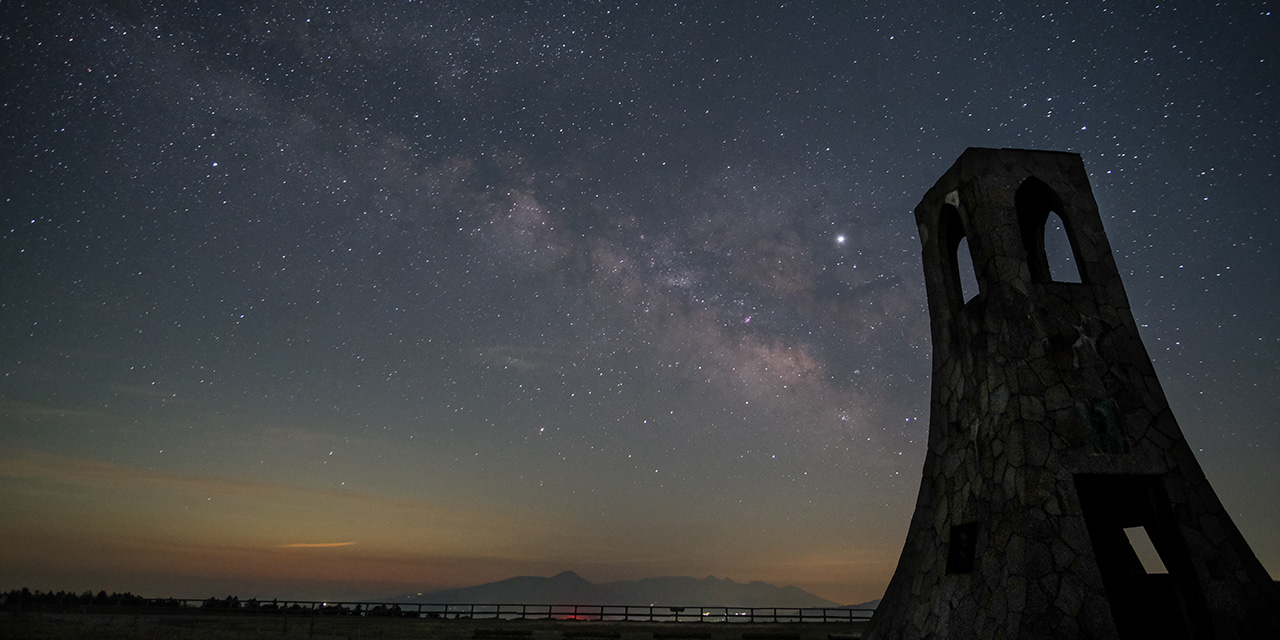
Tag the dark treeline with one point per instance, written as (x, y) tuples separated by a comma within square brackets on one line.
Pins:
[(19, 597), (26, 599)]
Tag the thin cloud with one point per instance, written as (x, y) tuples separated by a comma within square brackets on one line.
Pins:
[(315, 545), (30, 410), (36, 465)]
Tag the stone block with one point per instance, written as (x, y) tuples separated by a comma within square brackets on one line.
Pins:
[(1057, 397), (1038, 451), (1015, 453), (1031, 408), (1016, 596), (1212, 528), (1000, 399)]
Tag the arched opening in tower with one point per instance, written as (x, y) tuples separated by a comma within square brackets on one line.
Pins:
[(1057, 250), (960, 269), (1047, 236), (964, 263)]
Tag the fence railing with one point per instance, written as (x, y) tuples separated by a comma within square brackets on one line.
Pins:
[(603, 613)]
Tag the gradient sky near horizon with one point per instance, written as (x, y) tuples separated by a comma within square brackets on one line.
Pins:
[(308, 300)]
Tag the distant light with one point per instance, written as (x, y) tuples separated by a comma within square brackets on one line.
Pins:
[(840, 239)]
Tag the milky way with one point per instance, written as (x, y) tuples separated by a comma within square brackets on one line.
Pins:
[(308, 300)]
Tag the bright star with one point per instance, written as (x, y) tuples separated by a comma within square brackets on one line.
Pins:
[(840, 239)]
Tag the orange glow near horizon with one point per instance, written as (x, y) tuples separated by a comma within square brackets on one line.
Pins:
[(175, 532)]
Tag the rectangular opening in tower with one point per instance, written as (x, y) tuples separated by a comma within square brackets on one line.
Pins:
[(961, 548), (1142, 559), (1141, 543)]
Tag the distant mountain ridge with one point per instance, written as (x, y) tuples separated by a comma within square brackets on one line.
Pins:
[(569, 588)]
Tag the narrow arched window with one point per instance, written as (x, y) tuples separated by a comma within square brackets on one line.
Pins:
[(1057, 251), (958, 265), (1046, 234), (964, 264)]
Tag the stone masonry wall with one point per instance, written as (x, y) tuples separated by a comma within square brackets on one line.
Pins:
[(1048, 433)]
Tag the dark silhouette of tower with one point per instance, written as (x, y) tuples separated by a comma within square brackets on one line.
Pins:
[(1053, 454)]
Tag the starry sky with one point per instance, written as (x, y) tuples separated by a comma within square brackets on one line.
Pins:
[(308, 300)]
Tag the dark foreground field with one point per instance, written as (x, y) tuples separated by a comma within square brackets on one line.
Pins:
[(66, 626)]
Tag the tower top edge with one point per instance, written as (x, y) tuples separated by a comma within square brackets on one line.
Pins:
[(1006, 161), (1016, 150)]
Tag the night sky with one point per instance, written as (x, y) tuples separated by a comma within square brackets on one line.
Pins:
[(316, 301)]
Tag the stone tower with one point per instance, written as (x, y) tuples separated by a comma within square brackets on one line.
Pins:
[(1052, 450)]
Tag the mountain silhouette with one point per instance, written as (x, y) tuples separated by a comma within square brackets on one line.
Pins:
[(570, 588)]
